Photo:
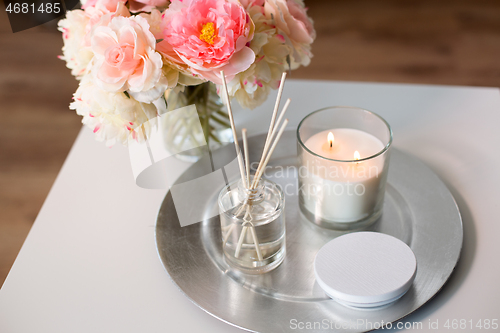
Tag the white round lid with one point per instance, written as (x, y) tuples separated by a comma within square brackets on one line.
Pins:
[(365, 269)]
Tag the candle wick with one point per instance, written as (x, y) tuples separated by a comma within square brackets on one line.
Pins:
[(331, 144)]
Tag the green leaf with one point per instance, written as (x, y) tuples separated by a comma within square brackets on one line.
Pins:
[(214, 137), (223, 123), (223, 114)]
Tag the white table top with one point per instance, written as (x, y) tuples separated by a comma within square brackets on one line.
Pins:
[(89, 263)]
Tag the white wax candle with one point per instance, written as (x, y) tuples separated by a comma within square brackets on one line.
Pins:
[(341, 191)]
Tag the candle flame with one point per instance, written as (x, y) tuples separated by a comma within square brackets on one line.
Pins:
[(330, 139), (356, 155)]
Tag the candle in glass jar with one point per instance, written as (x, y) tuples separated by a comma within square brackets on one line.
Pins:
[(337, 184)]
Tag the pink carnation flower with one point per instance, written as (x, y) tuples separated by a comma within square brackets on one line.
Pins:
[(125, 59), (209, 36)]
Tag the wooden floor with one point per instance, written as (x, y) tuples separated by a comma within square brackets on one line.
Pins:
[(452, 42)]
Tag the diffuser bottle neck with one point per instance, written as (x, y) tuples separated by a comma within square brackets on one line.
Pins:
[(251, 196)]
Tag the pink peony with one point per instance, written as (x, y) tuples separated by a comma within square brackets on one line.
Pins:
[(125, 58), (209, 36), (146, 5)]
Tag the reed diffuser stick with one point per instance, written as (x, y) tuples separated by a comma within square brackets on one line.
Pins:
[(240, 241), (278, 98), (233, 128), (282, 113), (248, 214), (268, 157), (273, 119), (273, 132), (256, 242), (245, 149)]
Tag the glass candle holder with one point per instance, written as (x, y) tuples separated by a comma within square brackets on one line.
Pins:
[(253, 226), (343, 164)]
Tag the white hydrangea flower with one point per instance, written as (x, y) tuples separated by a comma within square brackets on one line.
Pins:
[(294, 27), (73, 29), (252, 86), (113, 116)]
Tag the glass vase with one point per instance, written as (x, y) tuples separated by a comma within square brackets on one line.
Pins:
[(188, 136)]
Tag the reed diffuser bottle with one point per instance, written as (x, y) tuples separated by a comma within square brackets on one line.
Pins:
[(253, 226), (252, 208)]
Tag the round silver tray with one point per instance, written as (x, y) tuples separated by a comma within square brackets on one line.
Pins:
[(418, 209)]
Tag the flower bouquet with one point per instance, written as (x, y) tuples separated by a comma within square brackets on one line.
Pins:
[(136, 59)]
